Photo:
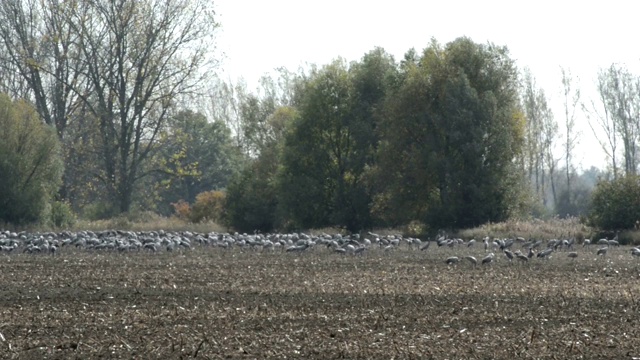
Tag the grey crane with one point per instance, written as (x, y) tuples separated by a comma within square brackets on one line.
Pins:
[(298, 248), (425, 246), (545, 253), (472, 260), (488, 259), (509, 254), (452, 260)]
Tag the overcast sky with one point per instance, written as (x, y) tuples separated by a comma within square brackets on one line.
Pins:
[(258, 36)]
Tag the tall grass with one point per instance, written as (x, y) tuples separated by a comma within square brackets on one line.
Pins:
[(139, 221), (537, 229), (148, 221)]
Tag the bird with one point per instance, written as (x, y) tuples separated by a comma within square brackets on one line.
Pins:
[(602, 251), (530, 253), (425, 246), (507, 244), (298, 248), (572, 255), (586, 242), (452, 260), (522, 257), (509, 254), (635, 252), (487, 259), (472, 260), (471, 242), (544, 253)]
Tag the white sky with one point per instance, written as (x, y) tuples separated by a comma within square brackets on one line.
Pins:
[(259, 36)]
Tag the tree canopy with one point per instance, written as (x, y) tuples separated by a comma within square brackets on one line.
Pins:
[(450, 137), (30, 163)]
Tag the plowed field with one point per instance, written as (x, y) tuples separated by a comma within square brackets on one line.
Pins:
[(213, 303)]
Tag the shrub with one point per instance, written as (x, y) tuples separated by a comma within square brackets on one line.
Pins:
[(574, 203), (209, 205), (251, 203), (182, 210), (30, 163), (615, 204), (61, 215), (98, 210)]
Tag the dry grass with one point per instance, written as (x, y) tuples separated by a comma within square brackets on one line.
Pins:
[(214, 303), (148, 222), (538, 229)]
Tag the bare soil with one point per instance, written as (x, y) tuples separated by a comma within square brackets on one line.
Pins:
[(213, 303)]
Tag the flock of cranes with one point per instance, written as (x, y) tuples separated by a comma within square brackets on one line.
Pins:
[(516, 249), (528, 248)]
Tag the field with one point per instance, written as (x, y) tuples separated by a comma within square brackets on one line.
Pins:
[(214, 303)]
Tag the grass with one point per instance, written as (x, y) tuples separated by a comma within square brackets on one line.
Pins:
[(142, 221), (554, 228), (149, 223)]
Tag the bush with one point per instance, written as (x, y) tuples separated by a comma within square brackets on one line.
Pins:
[(209, 205), (61, 215), (615, 204), (30, 163), (251, 203), (182, 210), (98, 210), (573, 204)]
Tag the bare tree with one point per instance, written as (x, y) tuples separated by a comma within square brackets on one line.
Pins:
[(541, 134), (570, 100), (39, 44), (619, 93), (223, 103), (598, 116), (139, 57), (40, 62), (549, 137), (533, 131)]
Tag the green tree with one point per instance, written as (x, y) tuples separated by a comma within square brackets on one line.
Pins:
[(30, 163), (450, 137), (251, 202), (194, 156), (323, 178), (252, 199)]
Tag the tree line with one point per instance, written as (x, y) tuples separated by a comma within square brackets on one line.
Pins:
[(130, 118)]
